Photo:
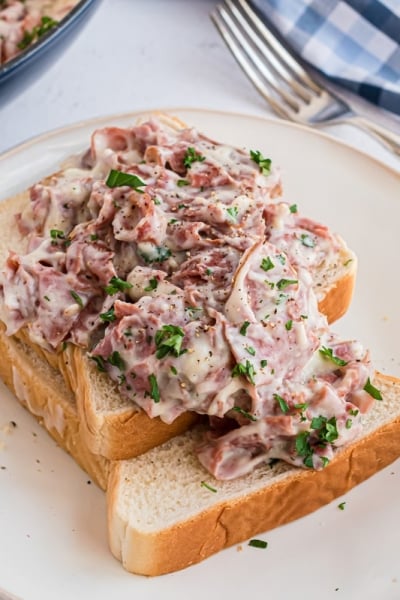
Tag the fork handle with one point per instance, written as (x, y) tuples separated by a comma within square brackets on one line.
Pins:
[(389, 139)]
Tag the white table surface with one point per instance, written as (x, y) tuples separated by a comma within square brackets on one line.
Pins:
[(141, 54)]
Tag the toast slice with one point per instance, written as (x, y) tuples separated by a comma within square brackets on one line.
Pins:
[(42, 390), (164, 499)]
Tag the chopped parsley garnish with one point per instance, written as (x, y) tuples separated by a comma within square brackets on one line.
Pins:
[(303, 448), (293, 208), (169, 340), (283, 405), (161, 253), (209, 272), (307, 240), (232, 212), (208, 486), (46, 298), (341, 505), (153, 283), (243, 412), (157, 201), (116, 360), (328, 353), (349, 423), (173, 370), (119, 179), (250, 350), (116, 285), (353, 412), (108, 316), (192, 156), (261, 161), (267, 264), (284, 283), (182, 183), (94, 237), (263, 363), (372, 391), (154, 390), (243, 328), (289, 324), (258, 544), (281, 258), (99, 362), (57, 234), (326, 428), (77, 298), (46, 24), (246, 370), (346, 264), (281, 298)]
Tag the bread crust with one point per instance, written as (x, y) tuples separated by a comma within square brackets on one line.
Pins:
[(41, 390), (232, 521), (122, 433)]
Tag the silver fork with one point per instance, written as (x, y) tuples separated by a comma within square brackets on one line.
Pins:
[(287, 87)]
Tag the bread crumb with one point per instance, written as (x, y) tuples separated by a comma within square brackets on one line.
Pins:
[(239, 548), (8, 427)]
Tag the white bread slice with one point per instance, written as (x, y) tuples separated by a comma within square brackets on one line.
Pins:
[(162, 519), (42, 390)]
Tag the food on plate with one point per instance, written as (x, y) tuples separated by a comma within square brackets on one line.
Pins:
[(24, 22), (167, 259), (164, 281)]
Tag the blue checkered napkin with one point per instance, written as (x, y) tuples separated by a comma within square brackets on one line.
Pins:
[(356, 43)]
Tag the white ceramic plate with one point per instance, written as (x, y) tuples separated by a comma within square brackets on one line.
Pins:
[(53, 540)]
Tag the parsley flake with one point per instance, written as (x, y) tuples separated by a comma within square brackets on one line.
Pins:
[(208, 486), (108, 316), (243, 412), (232, 212), (153, 283), (267, 264), (243, 329), (154, 390), (192, 156), (284, 283), (118, 179), (182, 182), (116, 360), (307, 240), (283, 405), (116, 285), (328, 354), (77, 298), (258, 544), (261, 161), (246, 370), (372, 391), (169, 340)]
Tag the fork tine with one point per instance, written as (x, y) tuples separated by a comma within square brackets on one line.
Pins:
[(252, 65), (280, 50), (281, 68)]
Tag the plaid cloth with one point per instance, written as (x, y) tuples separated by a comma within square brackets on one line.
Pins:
[(356, 43)]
